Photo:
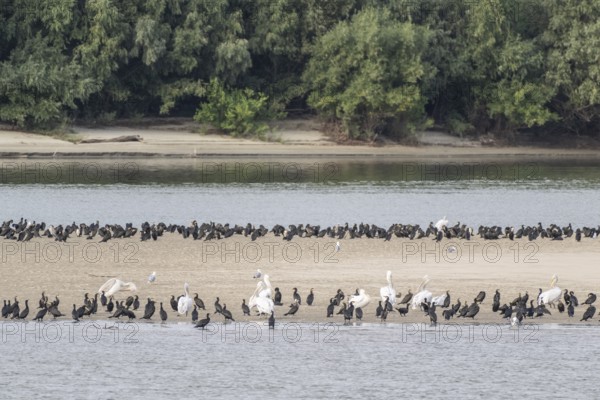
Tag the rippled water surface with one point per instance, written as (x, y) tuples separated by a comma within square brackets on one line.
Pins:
[(297, 361)]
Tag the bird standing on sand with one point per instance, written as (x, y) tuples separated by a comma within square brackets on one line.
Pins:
[(152, 277), (163, 313), (310, 298)]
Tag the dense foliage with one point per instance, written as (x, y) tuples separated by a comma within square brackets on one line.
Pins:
[(369, 66)]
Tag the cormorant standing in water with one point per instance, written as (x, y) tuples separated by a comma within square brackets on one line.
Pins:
[(272, 320), (203, 322)]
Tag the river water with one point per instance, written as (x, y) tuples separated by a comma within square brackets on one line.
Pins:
[(297, 360), (61, 360)]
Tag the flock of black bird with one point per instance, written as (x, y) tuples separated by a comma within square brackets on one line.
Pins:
[(514, 311), (25, 230), (517, 310)]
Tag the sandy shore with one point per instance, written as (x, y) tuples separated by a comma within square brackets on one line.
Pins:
[(293, 138), (224, 268)]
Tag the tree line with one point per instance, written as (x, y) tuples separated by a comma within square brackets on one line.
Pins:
[(369, 67)]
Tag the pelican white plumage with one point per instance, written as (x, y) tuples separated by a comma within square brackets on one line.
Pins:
[(388, 291), (185, 302), (360, 300), (439, 300), (115, 285), (337, 246), (261, 298), (422, 294), (152, 277), (267, 292), (550, 296), (441, 223), (252, 300), (264, 305)]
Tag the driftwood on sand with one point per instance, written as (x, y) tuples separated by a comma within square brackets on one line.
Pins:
[(130, 138)]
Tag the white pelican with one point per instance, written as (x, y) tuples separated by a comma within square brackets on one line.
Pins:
[(551, 295), (152, 277), (115, 285), (185, 302), (252, 300), (337, 246), (441, 223), (360, 300), (260, 298), (422, 294), (264, 305), (439, 300), (268, 290), (388, 291)]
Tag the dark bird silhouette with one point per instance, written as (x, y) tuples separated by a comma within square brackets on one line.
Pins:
[(25, 311), (403, 311), (297, 297), (570, 310), (74, 313), (331, 307), (277, 297), (110, 306), (195, 314), (203, 322), (150, 309), (198, 301), (310, 298), (359, 313), (590, 300), (589, 313), (407, 298), (480, 297), (163, 313), (41, 314), (348, 312), (432, 315), (173, 303), (473, 311), (245, 308), (272, 320), (293, 308), (226, 313)]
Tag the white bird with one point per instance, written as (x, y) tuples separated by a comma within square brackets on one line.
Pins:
[(439, 300), (551, 295), (361, 300), (388, 291), (441, 223), (115, 285), (185, 302), (265, 305), (252, 300), (152, 277), (337, 246), (267, 292), (422, 294), (257, 274)]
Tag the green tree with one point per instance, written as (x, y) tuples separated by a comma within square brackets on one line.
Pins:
[(366, 72)]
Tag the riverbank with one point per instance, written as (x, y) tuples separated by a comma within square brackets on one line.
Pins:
[(225, 268), (298, 138)]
